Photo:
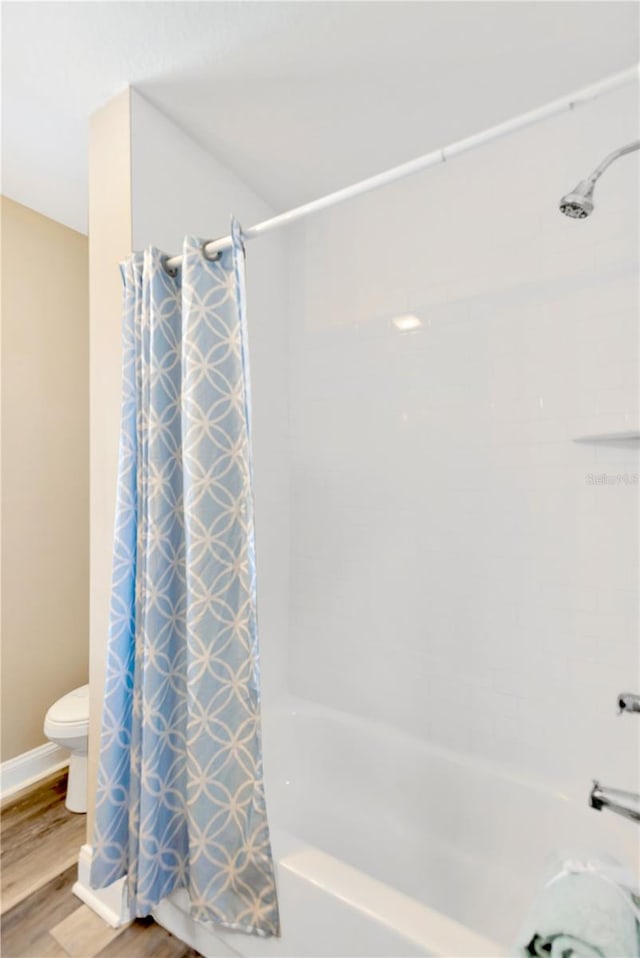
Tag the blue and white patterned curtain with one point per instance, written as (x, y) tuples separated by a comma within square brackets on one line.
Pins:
[(180, 799)]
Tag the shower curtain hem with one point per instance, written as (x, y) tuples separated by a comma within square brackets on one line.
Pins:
[(213, 923), (197, 913)]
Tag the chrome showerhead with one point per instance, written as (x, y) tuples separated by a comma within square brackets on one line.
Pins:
[(579, 203)]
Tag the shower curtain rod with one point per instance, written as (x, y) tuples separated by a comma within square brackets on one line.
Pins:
[(569, 102)]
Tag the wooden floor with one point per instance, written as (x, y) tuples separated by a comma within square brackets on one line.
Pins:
[(41, 918)]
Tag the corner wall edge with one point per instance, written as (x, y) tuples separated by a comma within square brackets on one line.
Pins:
[(109, 903)]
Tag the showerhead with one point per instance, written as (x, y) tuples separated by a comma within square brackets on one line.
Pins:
[(579, 203)]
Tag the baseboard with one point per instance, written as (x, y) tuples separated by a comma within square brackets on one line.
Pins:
[(27, 769), (110, 902)]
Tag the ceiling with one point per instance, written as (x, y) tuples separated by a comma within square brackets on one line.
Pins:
[(298, 98)]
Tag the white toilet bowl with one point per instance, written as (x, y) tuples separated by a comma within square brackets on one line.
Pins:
[(67, 724)]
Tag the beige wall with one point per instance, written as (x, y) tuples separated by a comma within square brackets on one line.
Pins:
[(45, 470)]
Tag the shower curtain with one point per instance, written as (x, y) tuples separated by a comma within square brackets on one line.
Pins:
[(180, 800)]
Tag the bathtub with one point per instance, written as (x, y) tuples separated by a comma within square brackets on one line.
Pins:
[(386, 846)]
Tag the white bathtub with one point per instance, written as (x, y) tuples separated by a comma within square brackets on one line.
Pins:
[(388, 847)]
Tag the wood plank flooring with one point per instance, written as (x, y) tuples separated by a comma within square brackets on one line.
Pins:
[(41, 917), (39, 839)]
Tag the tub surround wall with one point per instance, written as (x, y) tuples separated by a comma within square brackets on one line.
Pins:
[(45, 471), (461, 569)]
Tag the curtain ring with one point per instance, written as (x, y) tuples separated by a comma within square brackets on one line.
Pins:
[(210, 259), (170, 270)]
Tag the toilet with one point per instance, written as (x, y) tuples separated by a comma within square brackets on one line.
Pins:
[(67, 724)]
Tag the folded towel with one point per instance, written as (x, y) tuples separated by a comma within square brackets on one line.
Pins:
[(588, 909)]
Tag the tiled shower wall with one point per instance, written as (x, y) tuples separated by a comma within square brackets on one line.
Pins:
[(460, 567)]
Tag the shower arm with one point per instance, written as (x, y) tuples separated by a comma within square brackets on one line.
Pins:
[(611, 158)]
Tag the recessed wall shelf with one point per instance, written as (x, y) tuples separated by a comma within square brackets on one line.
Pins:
[(622, 435)]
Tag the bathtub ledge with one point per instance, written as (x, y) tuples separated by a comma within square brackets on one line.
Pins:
[(426, 928)]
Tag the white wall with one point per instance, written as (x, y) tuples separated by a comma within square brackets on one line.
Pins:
[(178, 188), (110, 231), (454, 572)]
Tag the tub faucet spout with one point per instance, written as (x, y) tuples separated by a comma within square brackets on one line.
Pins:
[(616, 800)]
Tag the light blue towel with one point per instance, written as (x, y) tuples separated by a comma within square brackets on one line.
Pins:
[(588, 909)]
